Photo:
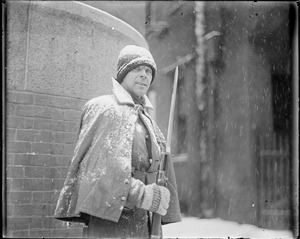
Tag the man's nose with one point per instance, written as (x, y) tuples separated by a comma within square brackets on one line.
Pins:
[(143, 72)]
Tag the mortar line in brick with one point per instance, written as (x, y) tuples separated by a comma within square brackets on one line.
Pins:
[(44, 106), (19, 217), (33, 153), (24, 191), (31, 204), (11, 153)]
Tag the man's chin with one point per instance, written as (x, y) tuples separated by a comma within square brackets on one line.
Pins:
[(140, 93)]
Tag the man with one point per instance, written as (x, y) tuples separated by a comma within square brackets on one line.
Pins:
[(110, 185)]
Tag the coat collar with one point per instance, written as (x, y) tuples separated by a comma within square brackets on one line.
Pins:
[(124, 97)]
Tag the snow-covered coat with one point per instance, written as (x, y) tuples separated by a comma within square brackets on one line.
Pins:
[(98, 181)]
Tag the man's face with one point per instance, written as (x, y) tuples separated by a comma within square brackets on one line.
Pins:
[(138, 80)]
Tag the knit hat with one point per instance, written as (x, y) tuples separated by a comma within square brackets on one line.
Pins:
[(131, 57)]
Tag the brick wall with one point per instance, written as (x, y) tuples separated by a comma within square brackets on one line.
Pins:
[(59, 54), (41, 131)]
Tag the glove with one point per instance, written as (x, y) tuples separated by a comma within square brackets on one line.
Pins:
[(155, 199)]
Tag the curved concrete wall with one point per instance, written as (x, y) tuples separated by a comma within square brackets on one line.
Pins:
[(64, 48), (59, 55)]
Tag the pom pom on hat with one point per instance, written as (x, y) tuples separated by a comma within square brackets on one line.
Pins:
[(132, 56)]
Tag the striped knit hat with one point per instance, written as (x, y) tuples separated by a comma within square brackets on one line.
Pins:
[(131, 57)]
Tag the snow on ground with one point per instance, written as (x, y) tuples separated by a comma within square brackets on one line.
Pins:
[(191, 227)]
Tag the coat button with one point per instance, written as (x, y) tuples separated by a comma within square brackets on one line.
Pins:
[(150, 160), (147, 136), (123, 198), (121, 208)]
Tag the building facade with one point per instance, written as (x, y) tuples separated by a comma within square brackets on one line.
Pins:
[(234, 128)]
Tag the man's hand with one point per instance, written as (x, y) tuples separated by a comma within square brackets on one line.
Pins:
[(155, 199)]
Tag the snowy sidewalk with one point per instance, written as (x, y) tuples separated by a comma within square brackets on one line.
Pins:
[(191, 227)]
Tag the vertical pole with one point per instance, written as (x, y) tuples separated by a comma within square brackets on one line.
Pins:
[(206, 115), (200, 49), (201, 101)]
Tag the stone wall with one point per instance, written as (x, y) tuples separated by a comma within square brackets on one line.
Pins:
[(59, 55)]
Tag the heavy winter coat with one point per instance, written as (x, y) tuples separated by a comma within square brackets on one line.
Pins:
[(98, 181)]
